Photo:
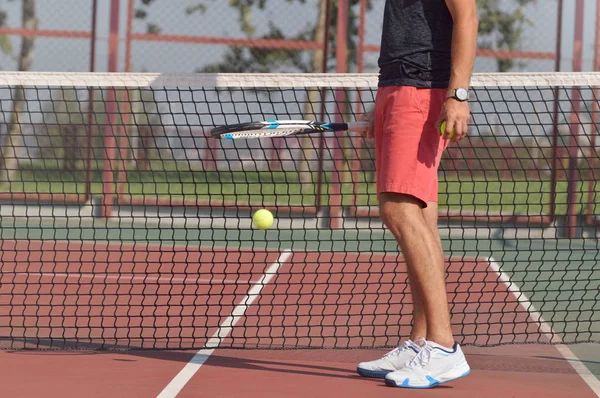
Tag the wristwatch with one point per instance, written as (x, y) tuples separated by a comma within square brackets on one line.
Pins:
[(459, 94)]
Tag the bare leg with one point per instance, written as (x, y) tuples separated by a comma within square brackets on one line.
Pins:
[(419, 327), (419, 321), (419, 240)]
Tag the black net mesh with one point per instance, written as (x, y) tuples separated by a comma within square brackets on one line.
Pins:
[(123, 225)]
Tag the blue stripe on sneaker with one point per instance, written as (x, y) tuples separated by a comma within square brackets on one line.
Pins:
[(432, 381), (406, 384)]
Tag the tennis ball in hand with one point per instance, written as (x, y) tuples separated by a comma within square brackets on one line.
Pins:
[(443, 130), (262, 219)]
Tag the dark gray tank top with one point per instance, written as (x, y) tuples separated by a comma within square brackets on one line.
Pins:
[(416, 44)]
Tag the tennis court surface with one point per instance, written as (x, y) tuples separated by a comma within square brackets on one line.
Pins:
[(131, 266)]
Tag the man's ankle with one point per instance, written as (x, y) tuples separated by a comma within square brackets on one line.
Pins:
[(447, 343)]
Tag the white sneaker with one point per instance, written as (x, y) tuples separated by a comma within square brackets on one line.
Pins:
[(433, 365), (392, 361)]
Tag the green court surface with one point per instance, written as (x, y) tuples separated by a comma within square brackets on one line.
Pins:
[(589, 355)]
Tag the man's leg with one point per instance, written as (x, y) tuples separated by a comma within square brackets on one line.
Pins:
[(419, 326), (419, 240), (430, 213)]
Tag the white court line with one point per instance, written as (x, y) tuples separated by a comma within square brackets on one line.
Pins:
[(587, 376), (185, 375), (131, 278)]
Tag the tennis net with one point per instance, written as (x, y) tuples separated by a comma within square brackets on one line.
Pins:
[(125, 226)]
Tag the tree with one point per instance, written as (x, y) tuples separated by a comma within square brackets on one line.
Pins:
[(9, 161), (501, 28)]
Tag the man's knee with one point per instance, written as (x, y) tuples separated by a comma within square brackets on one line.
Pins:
[(397, 209)]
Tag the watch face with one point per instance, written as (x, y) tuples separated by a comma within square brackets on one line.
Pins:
[(462, 94)]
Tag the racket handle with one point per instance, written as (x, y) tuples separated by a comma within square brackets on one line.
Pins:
[(351, 126)]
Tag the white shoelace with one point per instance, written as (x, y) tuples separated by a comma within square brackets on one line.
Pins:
[(396, 351), (407, 345), (422, 358)]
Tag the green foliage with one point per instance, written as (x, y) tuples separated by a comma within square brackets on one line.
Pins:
[(5, 43), (264, 59), (261, 60), (502, 28)]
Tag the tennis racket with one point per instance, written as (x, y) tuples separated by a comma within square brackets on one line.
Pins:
[(282, 128)]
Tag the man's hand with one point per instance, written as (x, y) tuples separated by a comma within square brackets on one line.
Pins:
[(457, 115), (464, 44), (370, 118)]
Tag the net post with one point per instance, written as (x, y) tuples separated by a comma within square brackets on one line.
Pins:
[(590, 216), (89, 153), (110, 150), (128, 34), (357, 146), (360, 57), (571, 221), (335, 200), (110, 142), (555, 113), (323, 94), (123, 147)]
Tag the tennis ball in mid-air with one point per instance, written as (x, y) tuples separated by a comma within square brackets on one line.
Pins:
[(443, 130), (262, 219)]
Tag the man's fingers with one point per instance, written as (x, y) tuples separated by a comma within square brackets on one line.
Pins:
[(450, 128), (370, 118), (465, 129), (460, 130)]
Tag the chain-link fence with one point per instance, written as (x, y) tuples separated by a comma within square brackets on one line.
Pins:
[(224, 36), (276, 36), (264, 36), (46, 35), (258, 36)]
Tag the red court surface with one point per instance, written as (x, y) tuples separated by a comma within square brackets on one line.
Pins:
[(510, 371), (101, 295)]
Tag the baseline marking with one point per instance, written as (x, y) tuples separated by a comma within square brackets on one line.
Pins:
[(545, 327), (185, 375)]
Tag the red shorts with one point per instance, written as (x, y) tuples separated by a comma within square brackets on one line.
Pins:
[(407, 144)]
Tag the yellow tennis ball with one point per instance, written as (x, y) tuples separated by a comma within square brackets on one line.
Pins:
[(443, 130), (262, 219)]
